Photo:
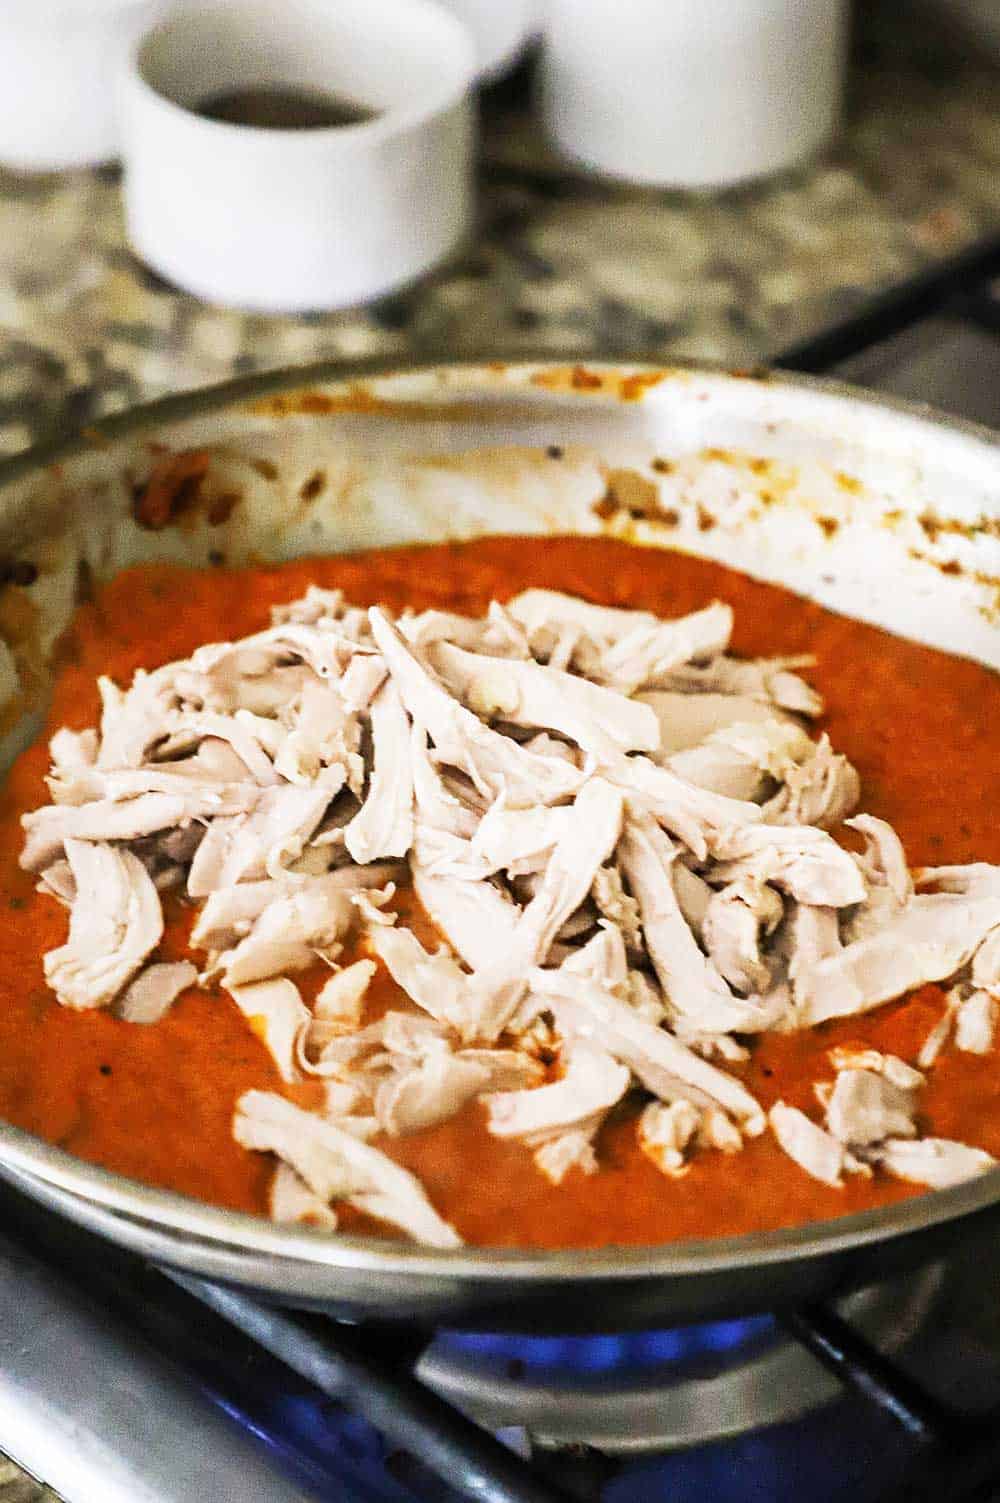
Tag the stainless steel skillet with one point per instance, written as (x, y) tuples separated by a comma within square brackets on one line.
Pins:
[(883, 512)]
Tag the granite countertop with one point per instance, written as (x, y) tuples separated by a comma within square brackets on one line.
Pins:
[(560, 263)]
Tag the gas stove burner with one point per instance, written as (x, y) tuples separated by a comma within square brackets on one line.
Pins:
[(664, 1389)]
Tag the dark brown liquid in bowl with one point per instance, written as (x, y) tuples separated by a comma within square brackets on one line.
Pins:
[(285, 109), (157, 1102)]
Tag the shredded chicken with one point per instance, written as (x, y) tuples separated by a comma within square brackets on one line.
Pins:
[(493, 762), (928, 940), (665, 1133), (289, 934), (688, 720), (384, 825), (277, 1015), (802, 861), (975, 1023), (592, 1083), (696, 993), (618, 829), (293, 1201), (601, 721), (818, 1152), (666, 1066), (741, 760), (115, 922), (936, 1162), (154, 991), (338, 1166), (737, 919), (865, 1107), (821, 789)]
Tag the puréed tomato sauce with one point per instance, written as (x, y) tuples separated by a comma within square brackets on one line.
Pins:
[(156, 1102)]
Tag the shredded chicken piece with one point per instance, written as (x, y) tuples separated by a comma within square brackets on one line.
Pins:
[(292, 1201), (476, 918), (617, 906), (896, 1070), (516, 841), (986, 964), (665, 1132), (277, 1015), (646, 656), (688, 720), (937, 1039), (568, 1150), (539, 611), (929, 940), (977, 880), (736, 919), (324, 607), (260, 844), (806, 863), (499, 636), (337, 1166), (603, 959), (322, 744), (816, 1151), (424, 1094), (938, 1163), (290, 933), (809, 935), (436, 983), (495, 991), (384, 826), (975, 1023), (338, 1010), (865, 1107), (767, 679), (73, 750), (696, 816), (665, 1065), (49, 830), (154, 991), (696, 993), (601, 721), (560, 1120), (492, 761), (740, 761), (115, 922), (820, 789)]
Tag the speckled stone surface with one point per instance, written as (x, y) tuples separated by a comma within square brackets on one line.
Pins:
[(560, 264)]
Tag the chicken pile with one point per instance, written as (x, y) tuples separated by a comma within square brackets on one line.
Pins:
[(620, 831)]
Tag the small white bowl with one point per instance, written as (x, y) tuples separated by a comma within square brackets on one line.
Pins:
[(693, 93), (501, 28), (58, 63), (287, 220)]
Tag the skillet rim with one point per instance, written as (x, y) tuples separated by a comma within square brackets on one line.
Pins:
[(31, 1158)]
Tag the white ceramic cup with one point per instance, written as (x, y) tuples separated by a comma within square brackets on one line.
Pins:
[(59, 60), (285, 220), (501, 29), (693, 93)]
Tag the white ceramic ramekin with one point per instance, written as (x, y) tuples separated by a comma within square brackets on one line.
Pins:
[(693, 93), (501, 29), (292, 220), (58, 64)]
